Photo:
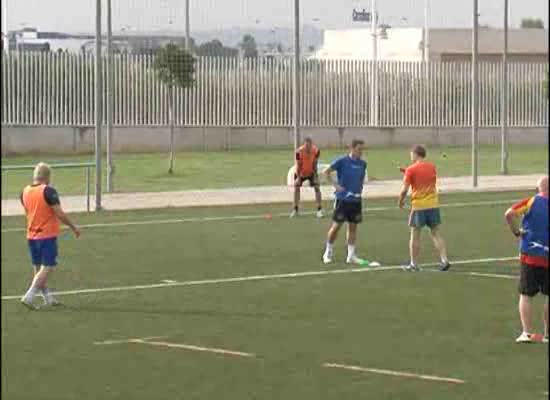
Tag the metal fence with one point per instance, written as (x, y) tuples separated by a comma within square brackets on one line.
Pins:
[(55, 89), (88, 167)]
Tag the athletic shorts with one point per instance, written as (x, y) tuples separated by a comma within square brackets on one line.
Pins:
[(43, 252), (533, 280), (421, 218), (348, 211), (311, 179)]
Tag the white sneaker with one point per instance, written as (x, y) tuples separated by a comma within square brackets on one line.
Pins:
[(320, 214), (293, 214), (29, 304), (52, 302), (524, 338), (411, 268), (328, 258)]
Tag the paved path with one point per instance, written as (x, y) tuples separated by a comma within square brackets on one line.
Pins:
[(271, 194)]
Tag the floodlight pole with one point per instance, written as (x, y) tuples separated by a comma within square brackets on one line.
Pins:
[(110, 99), (98, 106), (374, 72), (296, 83), (426, 30), (187, 27), (6, 43), (504, 97), (475, 95)]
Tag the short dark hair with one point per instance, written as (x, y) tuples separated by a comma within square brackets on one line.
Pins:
[(419, 150), (356, 142)]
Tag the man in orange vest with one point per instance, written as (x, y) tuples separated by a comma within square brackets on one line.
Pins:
[(306, 160), (44, 214)]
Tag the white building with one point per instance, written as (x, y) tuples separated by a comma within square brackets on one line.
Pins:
[(406, 44), (403, 44)]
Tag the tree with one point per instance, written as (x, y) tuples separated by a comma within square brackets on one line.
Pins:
[(532, 23), (215, 48), (175, 68), (249, 47)]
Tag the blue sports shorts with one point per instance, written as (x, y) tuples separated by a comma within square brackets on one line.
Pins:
[(43, 252), (421, 218)]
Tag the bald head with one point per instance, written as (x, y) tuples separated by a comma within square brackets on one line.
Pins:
[(42, 173), (542, 185)]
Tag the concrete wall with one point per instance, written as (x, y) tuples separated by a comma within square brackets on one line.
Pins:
[(66, 140)]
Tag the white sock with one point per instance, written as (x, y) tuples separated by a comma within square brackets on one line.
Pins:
[(351, 250), (46, 294), (29, 296), (444, 260), (329, 248)]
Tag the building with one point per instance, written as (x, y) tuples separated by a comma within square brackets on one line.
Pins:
[(524, 45), (407, 44)]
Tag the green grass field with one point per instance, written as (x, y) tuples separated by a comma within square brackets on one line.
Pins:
[(200, 170), (453, 325)]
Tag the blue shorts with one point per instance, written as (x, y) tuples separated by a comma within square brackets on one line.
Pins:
[(421, 218), (43, 252)]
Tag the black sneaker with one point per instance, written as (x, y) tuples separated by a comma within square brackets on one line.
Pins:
[(443, 267)]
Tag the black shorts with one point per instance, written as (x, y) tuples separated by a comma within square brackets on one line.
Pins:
[(348, 211), (533, 280), (312, 180)]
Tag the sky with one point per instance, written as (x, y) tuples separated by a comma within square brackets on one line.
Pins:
[(147, 15)]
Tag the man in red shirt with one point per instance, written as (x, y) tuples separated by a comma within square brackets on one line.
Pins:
[(421, 177), (533, 236)]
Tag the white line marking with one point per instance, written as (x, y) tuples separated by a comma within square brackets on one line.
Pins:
[(394, 373), (255, 278), (176, 346), (493, 275), (195, 348), (250, 217), (109, 342), (168, 281)]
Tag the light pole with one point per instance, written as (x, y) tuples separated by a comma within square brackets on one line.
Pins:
[(426, 30), (6, 30), (187, 27), (110, 99), (475, 95), (374, 72), (296, 83), (98, 105), (504, 99)]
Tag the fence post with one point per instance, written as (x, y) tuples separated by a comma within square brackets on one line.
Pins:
[(87, 189)]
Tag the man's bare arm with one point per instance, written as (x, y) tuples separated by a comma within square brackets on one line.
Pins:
[(65, 219), (403, 194), (512, 219), (328, 172)]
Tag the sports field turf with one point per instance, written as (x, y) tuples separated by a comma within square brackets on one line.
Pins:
[(451, 325), (209, 170)]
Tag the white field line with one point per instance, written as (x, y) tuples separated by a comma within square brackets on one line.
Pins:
[(254, 278), (252, 217), (150, 342), (195, 348), (493, 275), (394, 373), (122, 341)]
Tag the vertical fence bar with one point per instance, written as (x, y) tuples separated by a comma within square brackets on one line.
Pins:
[(88, 189)]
